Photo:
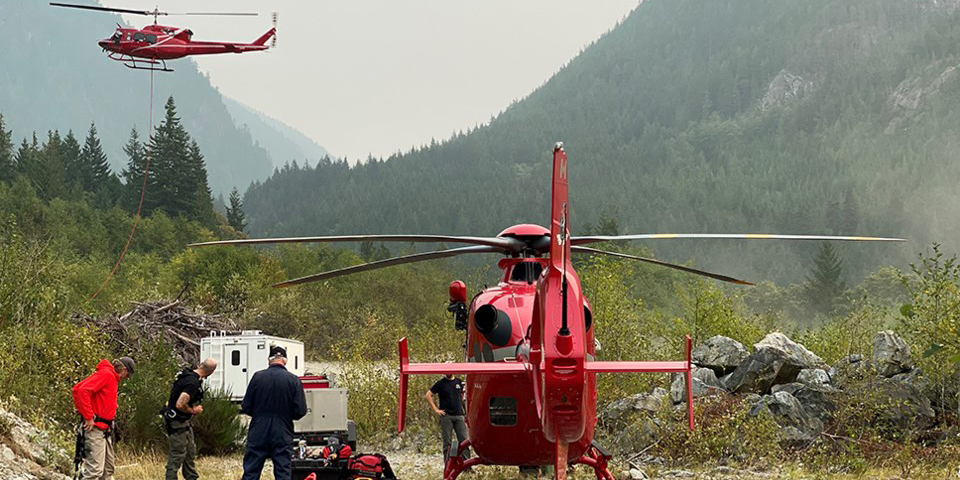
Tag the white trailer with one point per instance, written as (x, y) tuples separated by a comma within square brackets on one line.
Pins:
[(240, 356)]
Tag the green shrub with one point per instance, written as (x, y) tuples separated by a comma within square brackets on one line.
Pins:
[(219, 429), (143, 395), (725, 434)]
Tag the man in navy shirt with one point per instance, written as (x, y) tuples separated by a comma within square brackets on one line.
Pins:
[(274, 399), (451, 393)]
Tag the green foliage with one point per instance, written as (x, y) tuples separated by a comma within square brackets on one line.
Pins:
[(852, 333), (235, 216), (726, 434), (825, 285), (933, 316), (219, 429), (144, 394)]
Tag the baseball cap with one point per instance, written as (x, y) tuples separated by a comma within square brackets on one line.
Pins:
[(276, 351), (129, 364)]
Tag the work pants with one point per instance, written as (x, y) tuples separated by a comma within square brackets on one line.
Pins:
[(98, 464), (182, 451), (268, 438), (448, 425)]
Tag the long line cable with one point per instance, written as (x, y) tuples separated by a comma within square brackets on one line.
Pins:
[(143, 192)]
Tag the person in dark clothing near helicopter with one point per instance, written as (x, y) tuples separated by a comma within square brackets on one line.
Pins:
[(274, 399), (451, 412), (185, 397)]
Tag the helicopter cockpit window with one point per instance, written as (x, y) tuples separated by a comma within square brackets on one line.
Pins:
[(526, 272), (128, 37), (151, 39), (139, 37)]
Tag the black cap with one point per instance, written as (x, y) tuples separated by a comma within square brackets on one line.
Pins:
[(128, 363), (276, 351)]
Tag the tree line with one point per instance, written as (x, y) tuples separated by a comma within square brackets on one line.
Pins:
[(60, 167)]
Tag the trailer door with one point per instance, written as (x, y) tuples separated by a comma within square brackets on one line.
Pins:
[(235, 375)]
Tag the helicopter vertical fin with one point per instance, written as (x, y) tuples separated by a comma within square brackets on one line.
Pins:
[(265, 37), (559, 210)]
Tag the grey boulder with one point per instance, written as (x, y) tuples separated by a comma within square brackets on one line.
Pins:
[(719, 353)]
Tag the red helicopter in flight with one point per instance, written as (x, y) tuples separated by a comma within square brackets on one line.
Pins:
[(150, 47), (530, 362)]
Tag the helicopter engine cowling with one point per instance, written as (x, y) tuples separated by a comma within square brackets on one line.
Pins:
[(494, 324)]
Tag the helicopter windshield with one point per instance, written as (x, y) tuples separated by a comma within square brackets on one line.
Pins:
[(526, 272)]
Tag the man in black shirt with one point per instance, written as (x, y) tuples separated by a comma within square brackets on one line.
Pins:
[(274, 399), (451, 413), (185, 397)]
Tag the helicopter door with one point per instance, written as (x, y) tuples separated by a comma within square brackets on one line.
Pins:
[(139, 37)]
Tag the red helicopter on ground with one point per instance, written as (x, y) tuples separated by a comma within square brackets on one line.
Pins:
[(150, 47), (530, 361)]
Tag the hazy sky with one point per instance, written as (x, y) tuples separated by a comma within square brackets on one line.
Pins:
[(377, 76)]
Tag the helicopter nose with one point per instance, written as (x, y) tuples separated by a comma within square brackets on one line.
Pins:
[(104, 44)]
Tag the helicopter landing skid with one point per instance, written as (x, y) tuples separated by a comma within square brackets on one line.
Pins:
[(597, 458), (140, 63), (457, 465)]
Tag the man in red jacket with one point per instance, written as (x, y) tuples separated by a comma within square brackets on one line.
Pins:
[(96, 399)]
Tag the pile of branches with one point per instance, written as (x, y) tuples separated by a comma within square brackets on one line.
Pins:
[(170, 323)]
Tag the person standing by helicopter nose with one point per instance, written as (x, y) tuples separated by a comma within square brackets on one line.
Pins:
[(451, 413)]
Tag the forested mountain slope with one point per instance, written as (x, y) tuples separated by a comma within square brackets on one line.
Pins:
[(284, 143), (54, 76), (821, 116)]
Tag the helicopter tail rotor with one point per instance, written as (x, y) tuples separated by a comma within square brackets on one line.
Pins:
[(273, 42)]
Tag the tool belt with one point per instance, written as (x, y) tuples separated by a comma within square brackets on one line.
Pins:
[(168, 423), (109, 423)]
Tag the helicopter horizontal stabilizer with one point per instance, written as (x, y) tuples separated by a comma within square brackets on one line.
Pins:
[(407, 369), (685, 367)]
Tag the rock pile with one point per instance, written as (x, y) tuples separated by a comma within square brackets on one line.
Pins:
[(27, 453), (792, 384)]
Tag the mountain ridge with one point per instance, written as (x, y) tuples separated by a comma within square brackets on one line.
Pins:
[(664, 122)]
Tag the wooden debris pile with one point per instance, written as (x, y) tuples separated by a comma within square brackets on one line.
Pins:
[(148, 324)]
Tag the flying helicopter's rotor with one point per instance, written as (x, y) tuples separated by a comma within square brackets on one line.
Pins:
[(417, 257), (682, 268), (107, 9), (147, 13), (584, 240), (505, 244)]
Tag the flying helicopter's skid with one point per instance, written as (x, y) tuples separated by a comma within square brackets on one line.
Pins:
[(140, 63)]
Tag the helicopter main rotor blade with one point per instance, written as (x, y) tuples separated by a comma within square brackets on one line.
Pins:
[(508, 244), (104, 9), (217, 13), (417, 257), (694, 271), (584, 240)]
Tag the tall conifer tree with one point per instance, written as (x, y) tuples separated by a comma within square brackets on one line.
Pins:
[(7, 168), (235, 216), (825, 283), (70, 154), (96, 170), (133, 176)]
